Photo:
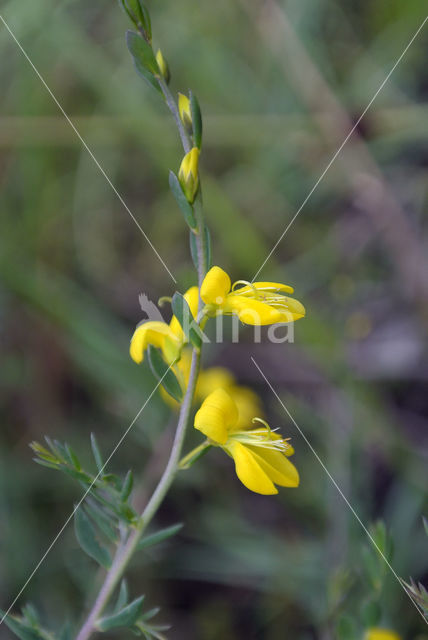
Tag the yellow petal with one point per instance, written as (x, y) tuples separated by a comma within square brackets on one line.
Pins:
[(269, 287), (381, 634), (184, 109), (218, 414), (192, 298), (212, 379), (249, 470), (151, 332), (249, 405), (216, 286), (295, 310), (276, 466), (250, 311)]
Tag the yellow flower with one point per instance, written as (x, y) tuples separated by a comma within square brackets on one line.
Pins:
[(185, 111), (209, 380), (167, 337), (188, 174), (163, 66), (260, 454), (381, 634), (256, 303)]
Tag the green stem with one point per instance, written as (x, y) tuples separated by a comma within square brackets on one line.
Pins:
[(172, 105), (125, 551)]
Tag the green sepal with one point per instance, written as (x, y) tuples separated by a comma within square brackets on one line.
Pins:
[(183, 203), (87, 538), (126, 617), (160, 536), (161, 371), (182, 312), (196, 120), (144, 59)]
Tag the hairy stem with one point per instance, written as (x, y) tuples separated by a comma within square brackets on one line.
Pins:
[(127, 549)]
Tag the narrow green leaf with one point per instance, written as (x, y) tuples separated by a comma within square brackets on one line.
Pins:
[(103, 522), (144, 59), (151, 613), (183, 203), (184, 316), (22, 629), (126, 617), (122, 597), (425, 521), (162, 372), (160, 536), (128, 483), (194, 250), (87, 538), (96, 452), (72, 457), (196, 120)]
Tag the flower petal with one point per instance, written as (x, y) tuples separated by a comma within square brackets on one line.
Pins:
[(276, 466), (150, 332), (269, 287), (294, 309), (381, 634), (218, 414), (250, 311), (192, 298), (216, 286), (249, 470)]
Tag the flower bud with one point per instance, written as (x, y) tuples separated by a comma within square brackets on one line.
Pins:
[(185, 111), (163, 66), (188, 174)]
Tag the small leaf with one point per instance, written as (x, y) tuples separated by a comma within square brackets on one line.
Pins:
[(160, 536), (128, 483), (122, 598), (22, 629), (183, 203), (126, 617), (72, 457), (103, 522), (425, 521), (96, 453), (194, 250), (196, 120), (182, 312), (144, 59), (87, 538), (162, 372)]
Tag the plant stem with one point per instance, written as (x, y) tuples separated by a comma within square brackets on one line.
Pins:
[(126, 551), (174, 110)]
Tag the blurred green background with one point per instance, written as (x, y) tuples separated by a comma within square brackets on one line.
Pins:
[(280, 85)]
